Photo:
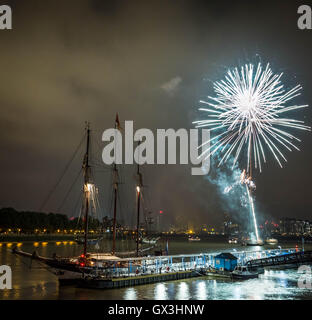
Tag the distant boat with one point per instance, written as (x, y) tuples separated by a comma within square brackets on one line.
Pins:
[(255, 243), (242, 272), (271, 241), (150, 240), (233, 240), (89, 241), (194, 238)]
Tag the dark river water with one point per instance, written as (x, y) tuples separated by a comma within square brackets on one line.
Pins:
[(38, 283)]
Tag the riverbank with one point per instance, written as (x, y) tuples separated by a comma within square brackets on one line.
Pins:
[(36, 237), (163, 237)]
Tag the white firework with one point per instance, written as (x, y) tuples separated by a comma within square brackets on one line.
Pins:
[(248, 110)]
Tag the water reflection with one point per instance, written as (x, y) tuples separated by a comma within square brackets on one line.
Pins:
[(201, 290), (130, 294), (161, 292), (183, 291), (237, 293)]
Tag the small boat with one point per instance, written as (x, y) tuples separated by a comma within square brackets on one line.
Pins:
[(150, 240), (242, 272), (194, 238), (233, 240), (271, 241), (89, 241), (255, 243)]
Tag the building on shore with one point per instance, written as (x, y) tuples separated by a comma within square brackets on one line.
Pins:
[(292, 226)]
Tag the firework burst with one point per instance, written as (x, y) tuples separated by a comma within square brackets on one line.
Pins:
[(249, 110)]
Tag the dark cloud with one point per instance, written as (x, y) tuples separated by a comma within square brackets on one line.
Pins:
[(71, 61)]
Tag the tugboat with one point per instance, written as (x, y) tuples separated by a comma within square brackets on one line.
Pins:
[(242, 273)]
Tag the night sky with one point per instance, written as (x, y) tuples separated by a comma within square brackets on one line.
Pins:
[(66, 62)]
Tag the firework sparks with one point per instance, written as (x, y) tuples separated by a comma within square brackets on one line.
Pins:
[(245, 179), (248, 110), (247, 113)]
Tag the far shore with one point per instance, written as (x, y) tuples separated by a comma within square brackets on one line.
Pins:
[(36, 237), (164, 237)]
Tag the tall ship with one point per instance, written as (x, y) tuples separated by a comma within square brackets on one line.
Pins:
[(71, 269)]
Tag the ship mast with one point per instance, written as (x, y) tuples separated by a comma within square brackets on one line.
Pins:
[(138, 190), (86, 188), (115, 183)]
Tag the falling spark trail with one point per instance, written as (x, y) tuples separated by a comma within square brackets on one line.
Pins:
[(253, 213)]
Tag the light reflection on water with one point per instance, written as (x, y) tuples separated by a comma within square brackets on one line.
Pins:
[(160, 291), (183, 291), (38, 283), (130, 294), (201, 290)]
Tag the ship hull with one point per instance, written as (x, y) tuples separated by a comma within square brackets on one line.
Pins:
[(244, 276), (122, 282), (68, 278)]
